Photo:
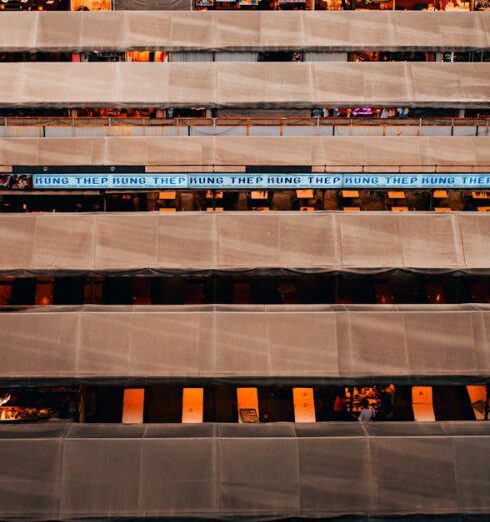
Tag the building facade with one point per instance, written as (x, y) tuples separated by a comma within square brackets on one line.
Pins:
[(244, 264)]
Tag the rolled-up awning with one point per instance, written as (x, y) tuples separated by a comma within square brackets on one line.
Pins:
[(245, 85), (361, 242), (221, 30), (441, 154), (218, 471), (386, 343)]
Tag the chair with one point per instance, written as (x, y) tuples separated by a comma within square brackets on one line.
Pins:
[(480, 195), (259, 194), (167, 194), (396, 194), (350, 193), (305, 194), (440, 194)]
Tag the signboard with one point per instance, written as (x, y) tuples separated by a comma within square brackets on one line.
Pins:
[(259, 181)]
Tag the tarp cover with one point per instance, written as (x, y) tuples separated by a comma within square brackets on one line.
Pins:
[(363, 242), (221, 30), (225, 84), (214, 471), (152, 5), (337, 343), (444, 154)]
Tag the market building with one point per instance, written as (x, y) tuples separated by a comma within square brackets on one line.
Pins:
[(244, 261)]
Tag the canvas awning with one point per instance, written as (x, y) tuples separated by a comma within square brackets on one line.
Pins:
[(347, 153), (380, 343), (245, 85), (217, 471), (259, 30), (361, 242)]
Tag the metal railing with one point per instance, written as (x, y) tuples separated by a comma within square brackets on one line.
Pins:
[(247, 126)]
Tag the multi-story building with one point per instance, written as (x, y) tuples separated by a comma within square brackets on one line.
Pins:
[(244, 264)]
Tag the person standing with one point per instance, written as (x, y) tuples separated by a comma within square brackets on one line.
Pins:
[(367, 413)]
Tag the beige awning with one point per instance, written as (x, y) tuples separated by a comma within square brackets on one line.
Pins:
[(450, 342), (245, 85), (225, 471), (234, 240), (221, 30), (446, 154)]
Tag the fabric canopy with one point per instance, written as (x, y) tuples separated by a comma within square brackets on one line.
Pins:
[(328, 342), (152, 5), (221, 30), (348, 153), (214, 471), (225, 84), (242, 240)]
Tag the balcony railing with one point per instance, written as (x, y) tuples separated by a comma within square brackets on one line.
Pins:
[(17, 127)]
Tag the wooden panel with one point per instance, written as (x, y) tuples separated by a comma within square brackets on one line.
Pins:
[(133, 405), (192, 405), (44, 292), (247, 403), (304, 405), (423, 410)]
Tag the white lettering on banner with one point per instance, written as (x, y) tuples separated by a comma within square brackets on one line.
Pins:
[(320, 181), (252, 181), (109, 181), (360, 181)]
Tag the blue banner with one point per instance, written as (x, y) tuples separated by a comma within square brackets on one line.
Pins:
[(259, 181)]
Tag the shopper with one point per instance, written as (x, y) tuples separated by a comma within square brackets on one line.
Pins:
[(367, 413)]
